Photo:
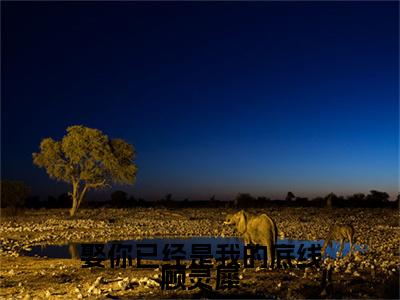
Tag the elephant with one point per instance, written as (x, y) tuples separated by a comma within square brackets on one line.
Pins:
[(339, 233), (259, 230)]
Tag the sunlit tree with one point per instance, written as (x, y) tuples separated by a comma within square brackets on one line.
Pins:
[(87, 159)]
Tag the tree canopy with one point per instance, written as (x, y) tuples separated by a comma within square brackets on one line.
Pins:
[(87, 159)]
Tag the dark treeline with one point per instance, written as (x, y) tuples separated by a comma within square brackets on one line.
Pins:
[(120, 199)]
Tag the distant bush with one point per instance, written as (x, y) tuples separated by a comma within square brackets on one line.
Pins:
[(119, 199), (33, 202), (243, 200), (376, 198), (13, 194)]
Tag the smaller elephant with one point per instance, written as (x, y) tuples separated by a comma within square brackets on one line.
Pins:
[(259, 230), (339, 233)]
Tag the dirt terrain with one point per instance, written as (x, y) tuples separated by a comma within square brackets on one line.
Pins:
[(373, 274)]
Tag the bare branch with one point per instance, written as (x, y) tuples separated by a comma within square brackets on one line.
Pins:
[(96, 185)]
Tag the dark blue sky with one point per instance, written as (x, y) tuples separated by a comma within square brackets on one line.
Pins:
[(217, 98)]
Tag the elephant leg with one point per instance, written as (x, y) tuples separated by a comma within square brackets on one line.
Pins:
[(324, 246), (246, 239), (341, 248), (271, 254), (351, 245), (351, 248)]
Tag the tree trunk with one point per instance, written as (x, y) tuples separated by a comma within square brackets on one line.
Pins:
[(73, 251), (80, 198), (75, 202), (74, 208), (77, 198)]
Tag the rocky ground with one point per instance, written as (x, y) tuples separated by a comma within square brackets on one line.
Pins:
[(374, 274)]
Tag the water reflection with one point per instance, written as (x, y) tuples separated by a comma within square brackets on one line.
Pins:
[(73, 251)]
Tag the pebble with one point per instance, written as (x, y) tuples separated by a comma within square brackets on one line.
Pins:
[(93, 288)]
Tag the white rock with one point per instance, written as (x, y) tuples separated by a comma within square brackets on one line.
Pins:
[(96, 291), (124, 284), (153, 283), (98, 281)]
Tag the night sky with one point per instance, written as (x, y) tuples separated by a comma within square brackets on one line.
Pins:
[(217, 98)]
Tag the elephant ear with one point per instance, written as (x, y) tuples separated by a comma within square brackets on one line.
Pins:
[(242, 224)]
